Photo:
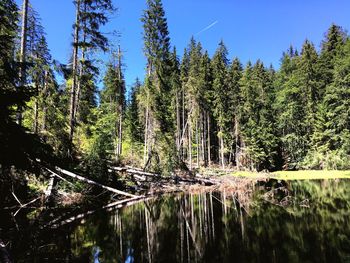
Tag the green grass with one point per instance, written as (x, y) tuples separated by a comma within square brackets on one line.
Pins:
[(298, 175), (311, 174)]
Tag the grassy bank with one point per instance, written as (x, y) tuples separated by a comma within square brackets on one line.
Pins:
[(299, 175)]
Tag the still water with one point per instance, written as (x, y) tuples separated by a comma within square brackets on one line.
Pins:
[(294, 221)]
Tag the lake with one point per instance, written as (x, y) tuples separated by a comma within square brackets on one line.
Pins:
[(292, 221)]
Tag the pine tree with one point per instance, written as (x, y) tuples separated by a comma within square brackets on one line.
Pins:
[(330, 49), (220, 65), (8, 76), (331, 140), (159, 122), (113, 103), (192, 97), (257, 122), (135, 129), (234, 110), (321, 142), (22, 71), (175, 82), (308, 75), (90, 16)]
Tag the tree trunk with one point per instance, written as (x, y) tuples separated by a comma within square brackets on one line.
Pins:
[(202, 137), (36, 114), (70, 174), (183, 120), (120, 106), (74, 73), (222, 154), (237, 148), (189, 144), (197, 143), (178, 125), (145, 152), (45, 103), (146, 145), (22, 70), (209, 146), (205, 143)]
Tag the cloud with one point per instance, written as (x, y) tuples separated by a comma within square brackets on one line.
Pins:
[(208, 27)]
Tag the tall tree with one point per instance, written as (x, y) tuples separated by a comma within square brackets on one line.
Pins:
[(331, 138), (22, 58), (90, 16), (220, 65), (234, 110), (133, 114), (257, 123), (113, 102), (159, 123)]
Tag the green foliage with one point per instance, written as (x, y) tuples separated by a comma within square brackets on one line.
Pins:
[(133, 122), (198, 109), (257, 119)]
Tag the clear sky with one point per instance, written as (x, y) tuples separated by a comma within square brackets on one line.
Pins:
[(251, 29)]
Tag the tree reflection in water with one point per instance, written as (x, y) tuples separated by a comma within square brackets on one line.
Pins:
[(298, 221)]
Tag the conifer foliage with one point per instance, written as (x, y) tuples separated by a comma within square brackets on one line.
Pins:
[(190, 111)]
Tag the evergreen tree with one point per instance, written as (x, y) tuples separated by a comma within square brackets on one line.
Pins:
[(257, 124), (331, 138), (113, 104), (135, 128), (330, 49), (88, 39), (159, 122), (221, 101), (175, 82), (308, 75), (234, 111)]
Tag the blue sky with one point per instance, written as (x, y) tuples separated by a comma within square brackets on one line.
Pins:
[(251, 29)]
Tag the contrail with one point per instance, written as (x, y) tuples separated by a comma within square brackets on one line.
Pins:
[(208, 27)]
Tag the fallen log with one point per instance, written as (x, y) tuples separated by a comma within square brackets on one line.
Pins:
[(142, 176), (58, 176), (134, 171), (78, 177)]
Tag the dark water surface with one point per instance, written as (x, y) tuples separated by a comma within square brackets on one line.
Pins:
[(299, 221)]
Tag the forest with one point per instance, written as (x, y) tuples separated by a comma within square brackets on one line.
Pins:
[(192, 111), (92, 170)]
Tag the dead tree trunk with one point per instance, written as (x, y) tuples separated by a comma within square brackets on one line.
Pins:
[(22, 59), (78, 177), (45, 90), (120, 106), (190, 144), (147, 122), (237, 148), (222, 154), (36, 114), (178, 125), (74, 73), (209, 146)]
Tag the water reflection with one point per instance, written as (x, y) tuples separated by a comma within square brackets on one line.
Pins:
[(297, 221)]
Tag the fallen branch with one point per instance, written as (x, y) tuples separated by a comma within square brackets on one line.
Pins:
[(58, 176), (75, 176), (134, 171)]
